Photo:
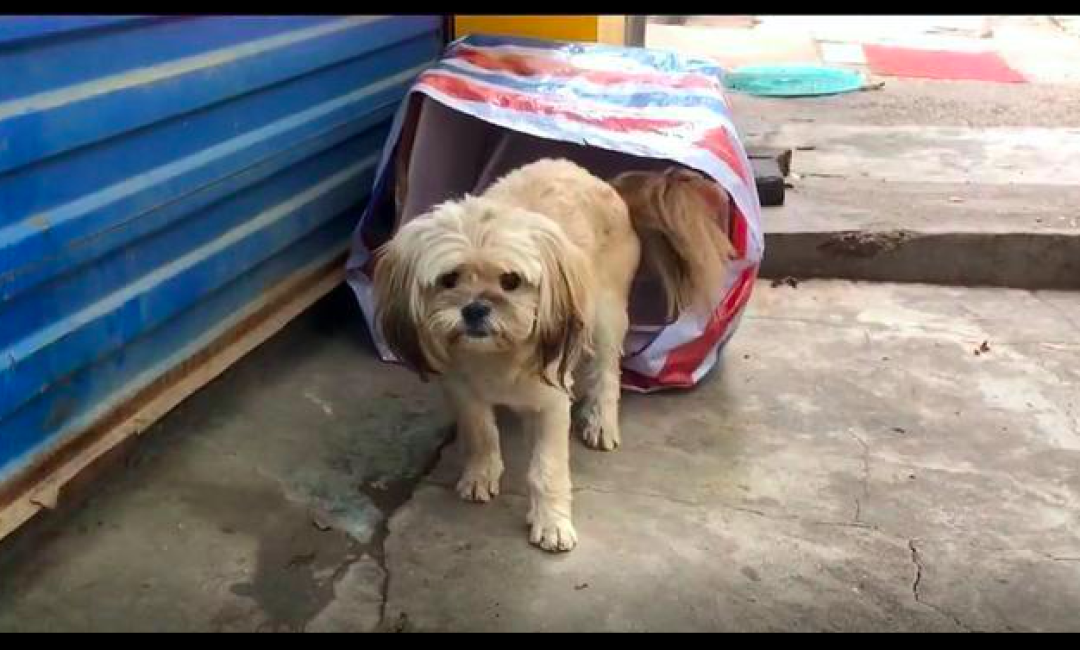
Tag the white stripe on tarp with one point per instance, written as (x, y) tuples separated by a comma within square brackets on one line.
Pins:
[(658, 144), (654, 61), (606, 63), (695, 118), (611, 63), (709, 119), (644, 144), (616, 89)]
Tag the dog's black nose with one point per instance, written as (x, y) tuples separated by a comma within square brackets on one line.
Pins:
[(475, 312)]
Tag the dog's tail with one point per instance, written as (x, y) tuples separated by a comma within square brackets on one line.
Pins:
[(681, 218)]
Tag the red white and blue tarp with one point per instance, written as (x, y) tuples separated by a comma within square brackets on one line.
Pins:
[(644, 103)]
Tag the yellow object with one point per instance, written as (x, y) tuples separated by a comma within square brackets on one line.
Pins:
[(592, 29)]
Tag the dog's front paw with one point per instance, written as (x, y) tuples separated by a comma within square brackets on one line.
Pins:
[(598, 432), (480, 482), (554, 534)]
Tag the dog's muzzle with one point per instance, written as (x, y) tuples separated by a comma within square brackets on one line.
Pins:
[(475, 315)]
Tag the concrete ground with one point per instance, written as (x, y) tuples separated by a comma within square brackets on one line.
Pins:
[(258, 504), (853, 465)]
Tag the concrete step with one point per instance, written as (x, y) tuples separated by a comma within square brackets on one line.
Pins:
[(927, 203), (1007, 156), (1023, 236)]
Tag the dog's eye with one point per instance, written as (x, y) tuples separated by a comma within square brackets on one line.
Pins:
[(509, 281), (448, 280)]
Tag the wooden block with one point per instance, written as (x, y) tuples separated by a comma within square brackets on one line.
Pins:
[(781, 156), (770, 181)]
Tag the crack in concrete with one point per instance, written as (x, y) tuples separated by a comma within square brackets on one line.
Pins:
[(915, 556), (397, 497), (1048, 556), (884, 328), (773, 516), (693, 504), (728, 506), (654, 495), (1057, 310), (865, 483), (915, 589)]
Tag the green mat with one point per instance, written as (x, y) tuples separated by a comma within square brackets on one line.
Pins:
[(792, 80)]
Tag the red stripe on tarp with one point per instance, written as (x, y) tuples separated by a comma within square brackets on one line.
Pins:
[(464, 90), (684, 360), (636, 380), (738, 231), (717, 142), (529, 66)]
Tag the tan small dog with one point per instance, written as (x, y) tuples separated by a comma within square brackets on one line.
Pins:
[(518, 297)]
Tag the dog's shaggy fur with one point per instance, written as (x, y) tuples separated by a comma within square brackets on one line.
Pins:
[(518, 297)]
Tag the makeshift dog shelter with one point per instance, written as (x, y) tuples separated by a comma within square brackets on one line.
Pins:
[(492, 104)]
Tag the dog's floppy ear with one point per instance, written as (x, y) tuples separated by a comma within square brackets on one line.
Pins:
[(564, 313), (397, 303)]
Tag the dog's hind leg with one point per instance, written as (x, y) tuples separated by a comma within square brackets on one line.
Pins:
[(597, 412), (478, 432)]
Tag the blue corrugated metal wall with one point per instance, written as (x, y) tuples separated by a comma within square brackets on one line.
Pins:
[(157, 175)]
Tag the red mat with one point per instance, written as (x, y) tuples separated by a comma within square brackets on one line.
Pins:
[(934, 64)]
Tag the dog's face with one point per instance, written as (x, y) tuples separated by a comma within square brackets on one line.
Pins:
[(476, 277), (479, 294)]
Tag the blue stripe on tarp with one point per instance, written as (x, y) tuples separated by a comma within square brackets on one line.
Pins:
[(659, 60), (545, 85), (549, 127)]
